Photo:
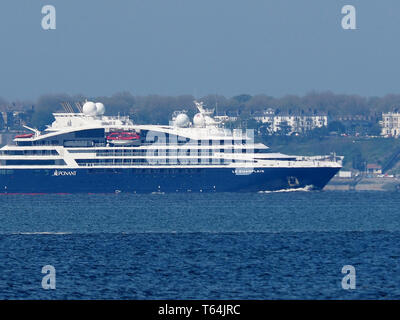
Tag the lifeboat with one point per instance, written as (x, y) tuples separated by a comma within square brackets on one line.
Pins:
[(24, 136), (123, 138)]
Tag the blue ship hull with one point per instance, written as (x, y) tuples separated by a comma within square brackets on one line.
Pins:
[(130, 180)]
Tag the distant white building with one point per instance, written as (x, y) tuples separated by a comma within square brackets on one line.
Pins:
[(390, 124), (344, 174), (297, 123)]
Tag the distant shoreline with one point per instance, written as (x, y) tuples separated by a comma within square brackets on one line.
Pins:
[(365, 184)]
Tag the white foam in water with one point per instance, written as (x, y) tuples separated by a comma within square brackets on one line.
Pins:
[(44, 232), (305, 189)]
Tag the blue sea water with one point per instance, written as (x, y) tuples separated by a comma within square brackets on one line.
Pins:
[(289, 245)]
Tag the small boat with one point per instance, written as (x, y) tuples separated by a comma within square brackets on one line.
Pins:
[(24, 136), (123, 138)]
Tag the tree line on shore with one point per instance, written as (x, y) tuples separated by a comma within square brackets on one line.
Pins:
[(158, 109)]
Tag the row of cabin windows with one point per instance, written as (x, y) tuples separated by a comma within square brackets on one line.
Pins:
[(38, 143), (65, 143), (117, 170), (140, 152), (84, 143), (32, 162), (155, 152), (191, 161), (180, 142), (29, 152), (167, 152), (147, 171)]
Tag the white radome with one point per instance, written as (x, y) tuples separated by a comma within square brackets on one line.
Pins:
[(198, 120), (89, 108), (182, 120), (101, 109)]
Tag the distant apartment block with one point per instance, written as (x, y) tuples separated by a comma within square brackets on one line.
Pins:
[(374, 168), (296, 123), (390, 124), (11, 120)]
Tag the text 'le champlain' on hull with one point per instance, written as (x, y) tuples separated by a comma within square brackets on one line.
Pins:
[(88, 152)]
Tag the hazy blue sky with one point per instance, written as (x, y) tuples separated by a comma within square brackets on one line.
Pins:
[(172, 47)]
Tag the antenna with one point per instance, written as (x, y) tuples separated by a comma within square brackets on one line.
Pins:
[(70, 107), (79, 107), (216, 104), (66, 107)]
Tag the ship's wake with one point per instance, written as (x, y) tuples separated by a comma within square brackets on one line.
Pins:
[(304, 189)]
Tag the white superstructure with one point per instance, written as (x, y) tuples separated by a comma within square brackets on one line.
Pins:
[(202, 143)]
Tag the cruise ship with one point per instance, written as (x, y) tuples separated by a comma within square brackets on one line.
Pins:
[(85, 151)]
